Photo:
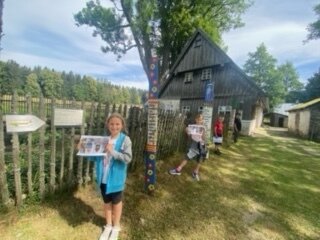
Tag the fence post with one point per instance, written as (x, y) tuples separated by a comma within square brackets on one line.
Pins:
[(15, 157), (80, 163), (52, 185), (62, 151), (29, 149), (4, 192), (42, 174)]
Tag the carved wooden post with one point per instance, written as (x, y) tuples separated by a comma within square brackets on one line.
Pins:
[(151, 147)]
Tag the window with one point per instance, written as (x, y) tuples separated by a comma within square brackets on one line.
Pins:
[(206, 74), (188, 76), (200, 109), (185, 109), (198, 42)]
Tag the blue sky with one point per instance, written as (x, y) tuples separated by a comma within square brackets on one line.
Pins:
[(43, 33)]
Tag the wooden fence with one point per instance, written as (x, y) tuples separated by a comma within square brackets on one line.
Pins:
[(44, 161)]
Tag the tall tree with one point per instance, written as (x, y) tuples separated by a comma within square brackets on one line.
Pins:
[(261, 66), (158, 26), (50, 83), (313, 86), (314, 28), (290, 77), (32, 86)]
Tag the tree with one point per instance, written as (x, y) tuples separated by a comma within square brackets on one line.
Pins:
[(261, 66), (50, 83), (32, 86), (314, 28), (313, 86), (290, 77), (158, 26)]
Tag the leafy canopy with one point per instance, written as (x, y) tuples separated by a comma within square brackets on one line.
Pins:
[(314, 28), (276, 82), (158, 27)]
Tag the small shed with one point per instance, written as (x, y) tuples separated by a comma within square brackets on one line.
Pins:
[(279, 115), (304, 119), (204, 75)]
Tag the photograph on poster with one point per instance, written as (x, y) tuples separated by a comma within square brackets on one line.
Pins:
[(196, 132), (92, 145)]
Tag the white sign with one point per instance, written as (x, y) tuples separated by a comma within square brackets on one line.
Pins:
[(67, 117), (22, 123)]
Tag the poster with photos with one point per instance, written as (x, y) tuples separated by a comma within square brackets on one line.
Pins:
[(92, 145), (196, 132)]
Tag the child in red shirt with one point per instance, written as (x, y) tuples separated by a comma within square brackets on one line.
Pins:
[(217, 134)]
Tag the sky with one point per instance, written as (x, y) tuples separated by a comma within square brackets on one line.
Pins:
[(43, 33)]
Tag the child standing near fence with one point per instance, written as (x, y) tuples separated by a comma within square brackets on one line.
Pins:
[(218, 134), (197, 150), (111, 173)]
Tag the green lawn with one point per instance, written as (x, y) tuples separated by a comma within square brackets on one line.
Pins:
[(264, 187)]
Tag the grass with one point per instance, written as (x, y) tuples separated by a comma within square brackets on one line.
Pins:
[(263, 187)]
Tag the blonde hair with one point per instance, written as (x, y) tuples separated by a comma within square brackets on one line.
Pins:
[(119, 116)]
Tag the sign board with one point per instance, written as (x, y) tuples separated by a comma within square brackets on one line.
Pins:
[(67, 117), (22, 123)]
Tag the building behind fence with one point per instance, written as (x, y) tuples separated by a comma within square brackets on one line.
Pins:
[(45, 161)]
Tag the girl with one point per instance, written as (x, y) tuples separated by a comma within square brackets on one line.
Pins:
[(217, 134), (112, 172)]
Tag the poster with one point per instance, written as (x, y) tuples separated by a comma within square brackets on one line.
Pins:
[(196, 132), (92, 145)]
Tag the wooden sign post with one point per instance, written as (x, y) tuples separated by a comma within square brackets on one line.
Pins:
[(151, 147)]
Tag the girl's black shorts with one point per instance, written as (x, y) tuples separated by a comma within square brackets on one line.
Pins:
[(114, 197)]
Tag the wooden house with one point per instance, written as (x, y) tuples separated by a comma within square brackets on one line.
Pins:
[(202, 64), (304, 119), (279, 115)]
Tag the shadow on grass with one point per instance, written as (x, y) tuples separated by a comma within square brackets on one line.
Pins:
[(271, 177), (73, 209)]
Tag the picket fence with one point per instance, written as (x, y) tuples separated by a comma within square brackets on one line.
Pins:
[(45, 161)]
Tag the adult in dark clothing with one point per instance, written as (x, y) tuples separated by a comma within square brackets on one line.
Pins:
[(236, 127)]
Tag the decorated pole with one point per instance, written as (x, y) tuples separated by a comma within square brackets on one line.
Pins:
[(208, 109), (151, 147)]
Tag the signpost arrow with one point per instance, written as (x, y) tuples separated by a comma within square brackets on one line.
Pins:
[(22, 123)]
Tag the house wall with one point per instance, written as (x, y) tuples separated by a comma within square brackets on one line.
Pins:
[(248, 127), (299, 122), (291, 122), (275, 118)]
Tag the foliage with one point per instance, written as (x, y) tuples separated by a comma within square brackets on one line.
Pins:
[(313, 86), (63, 85), (314, 28), (160, 27), (32, 86), (290, 77), (261, 66)]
